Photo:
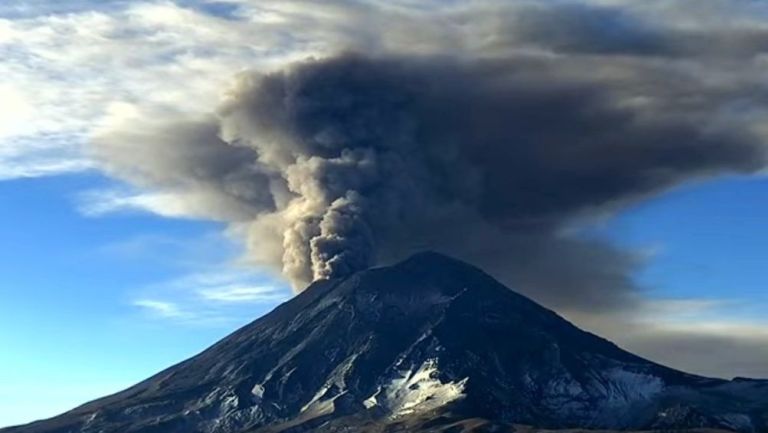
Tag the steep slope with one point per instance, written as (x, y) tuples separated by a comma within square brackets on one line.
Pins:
[(428, 337)]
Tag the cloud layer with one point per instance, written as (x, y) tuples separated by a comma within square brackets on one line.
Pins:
[(491, 154)]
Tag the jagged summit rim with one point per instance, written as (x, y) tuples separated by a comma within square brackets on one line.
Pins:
[(432, 258), (426, 261)]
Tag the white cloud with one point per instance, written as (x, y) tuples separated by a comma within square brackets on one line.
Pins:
[(233, 286), (65, 67), (63, 73), (210, 286), (16, 110), (36, 167), (101, 202), (235, 293), (224, 295), (163, 309)]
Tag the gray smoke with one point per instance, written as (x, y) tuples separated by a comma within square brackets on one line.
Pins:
[(381, 156), (336, 164)]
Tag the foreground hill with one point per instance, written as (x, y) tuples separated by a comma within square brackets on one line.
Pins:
[(429, 344)]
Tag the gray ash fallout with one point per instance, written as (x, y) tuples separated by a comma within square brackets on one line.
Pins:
[(333, 165)]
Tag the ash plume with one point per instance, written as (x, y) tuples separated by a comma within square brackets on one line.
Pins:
[(336, 164)]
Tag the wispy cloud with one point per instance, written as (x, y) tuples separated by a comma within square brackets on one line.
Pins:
[(70, 68), (232, 286), (235, 293), (162, 309), (103, 202), (209, 284), (66, 69), (33, 167), (222, 296)]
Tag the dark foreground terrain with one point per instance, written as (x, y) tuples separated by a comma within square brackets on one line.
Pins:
[(435, 423), (428, 345)]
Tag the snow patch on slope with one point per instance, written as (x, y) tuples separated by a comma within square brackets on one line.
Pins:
[(323, 401), (320, 407), (625, 386), (416, 391)]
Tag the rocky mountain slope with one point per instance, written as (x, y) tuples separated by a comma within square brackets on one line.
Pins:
[(429, 344)]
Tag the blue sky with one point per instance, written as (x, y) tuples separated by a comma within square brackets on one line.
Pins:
[(104, 282), (710, 239)]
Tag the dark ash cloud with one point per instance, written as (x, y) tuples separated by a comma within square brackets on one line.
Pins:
[(186, 156), (589, 29), (599, 30), (441, 153), (339, 163)]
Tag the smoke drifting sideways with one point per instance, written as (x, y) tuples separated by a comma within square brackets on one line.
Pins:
[(333, 165)]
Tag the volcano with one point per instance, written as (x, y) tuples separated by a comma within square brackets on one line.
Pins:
[(430, 344)]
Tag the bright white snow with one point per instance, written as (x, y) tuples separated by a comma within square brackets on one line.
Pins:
[(416, 391)]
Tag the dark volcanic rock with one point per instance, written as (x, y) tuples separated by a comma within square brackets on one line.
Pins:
[(429, 337)]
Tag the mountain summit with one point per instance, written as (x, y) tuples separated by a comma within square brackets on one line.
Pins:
[(428, 344)]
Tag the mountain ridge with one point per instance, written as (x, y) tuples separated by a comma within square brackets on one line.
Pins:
[(428, 335)]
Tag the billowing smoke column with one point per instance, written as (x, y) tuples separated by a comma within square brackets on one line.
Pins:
[(333, 165), (374, 151)]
